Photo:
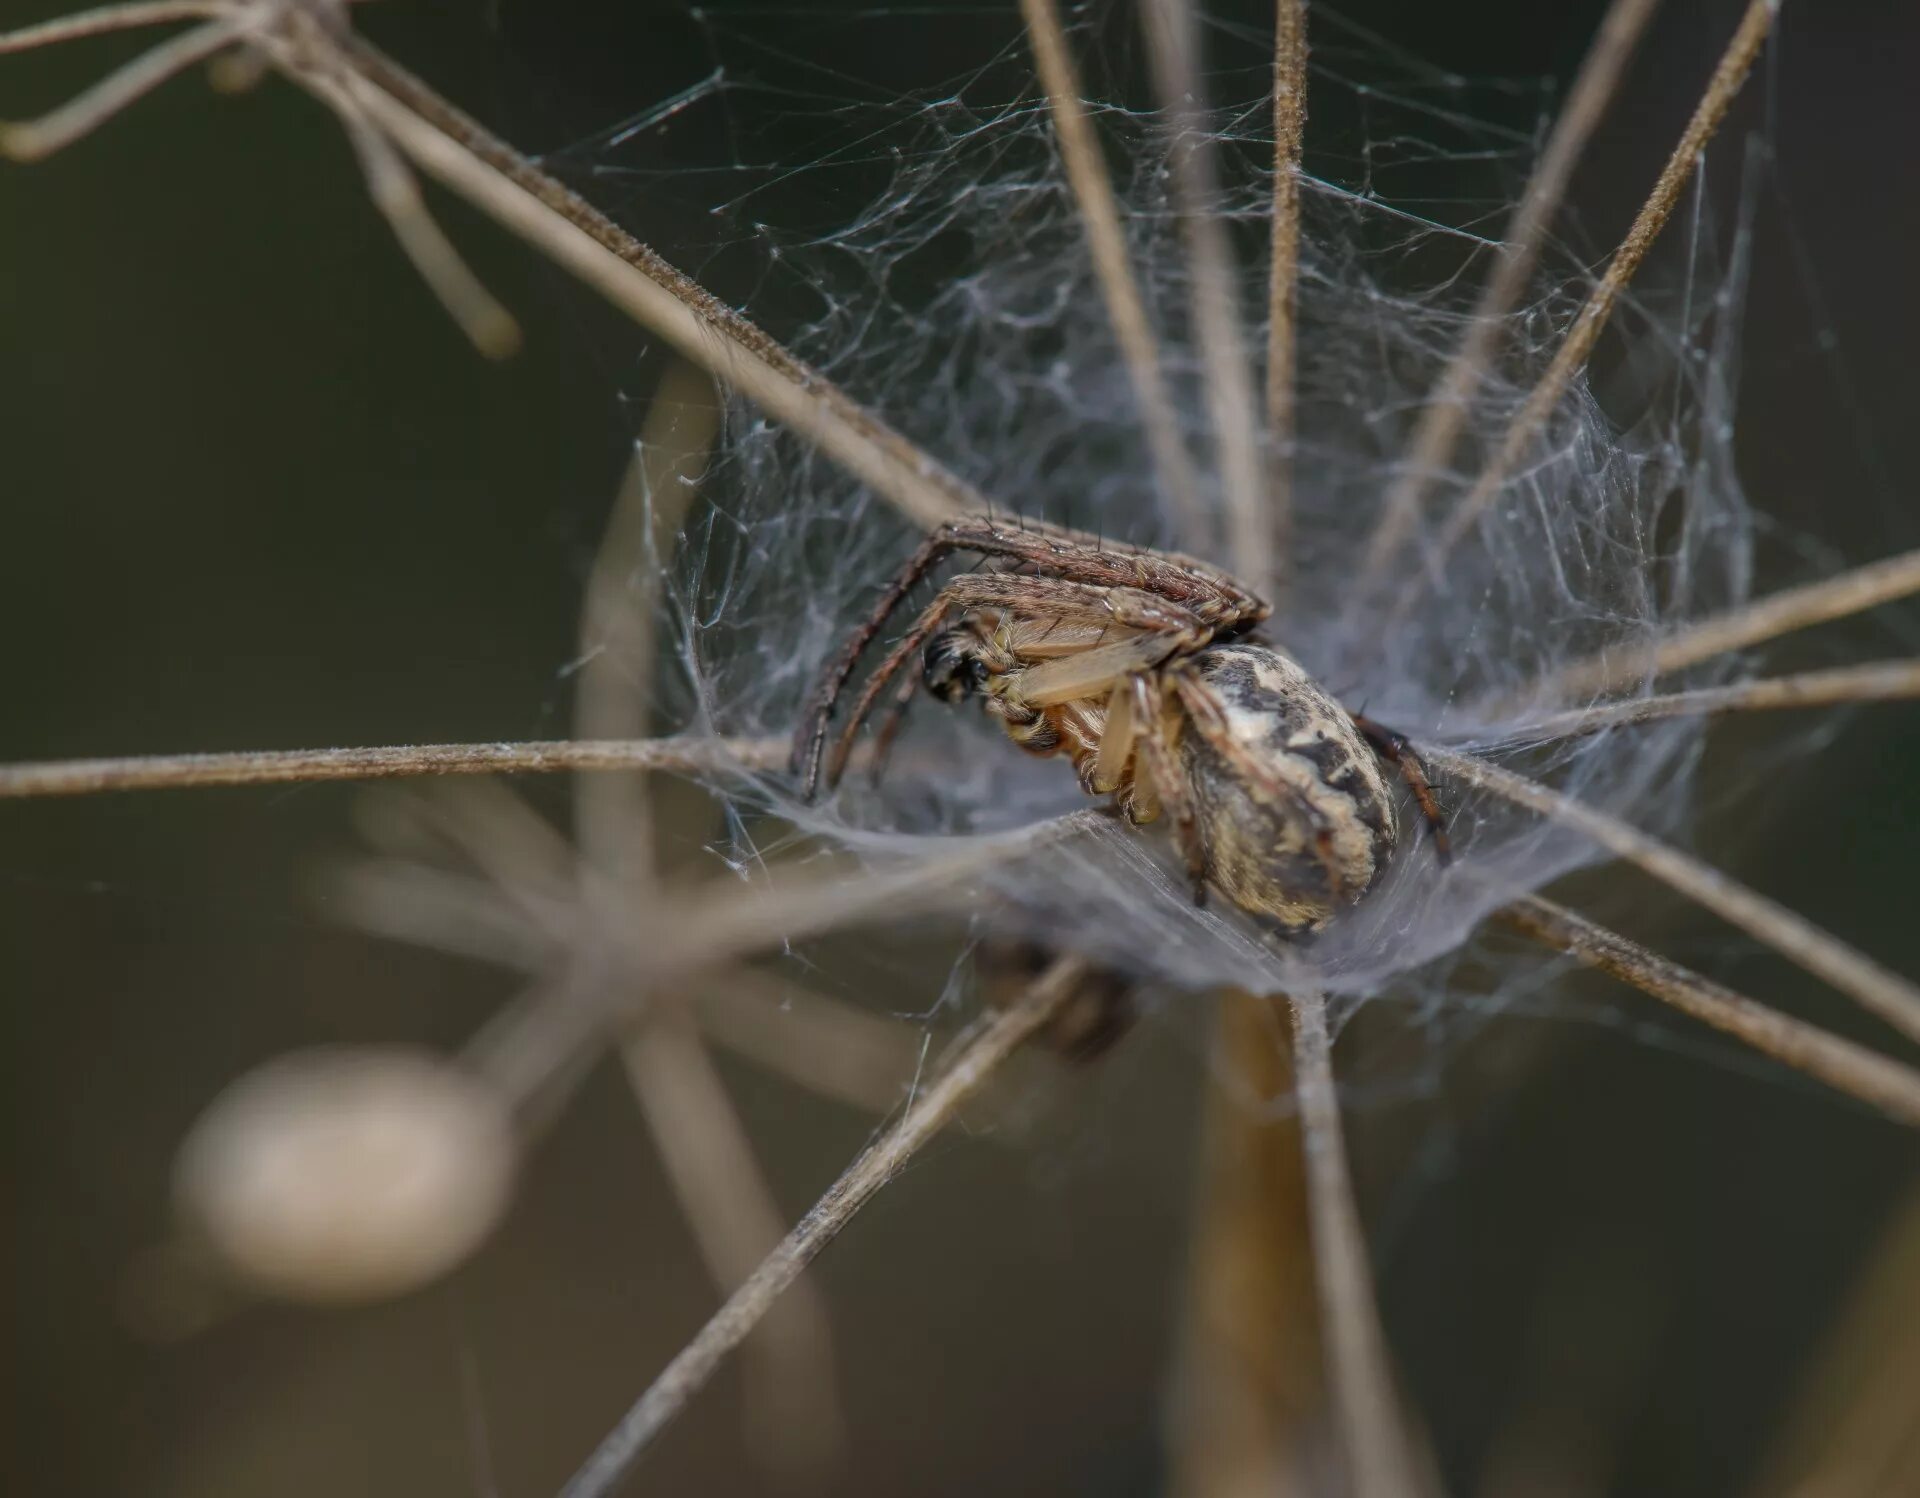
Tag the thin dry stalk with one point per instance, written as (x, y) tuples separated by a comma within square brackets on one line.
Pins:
[(723, 1194), (497, 179), (162, 772), (1373, 1433), (1577, 346), (1250, 1396), (1283, 266), (995, 1039), (34, 140), (1767, 921), (1766, 619), (1173, 42), (792, 1410), (106, 19), (468, 159), (676, 311), (395, 192), (1120, 289), (1879, 681), (613, 819), (1881, 1083), (1445, 413)]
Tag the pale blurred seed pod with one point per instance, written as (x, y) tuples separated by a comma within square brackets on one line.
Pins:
[(347, 1174)]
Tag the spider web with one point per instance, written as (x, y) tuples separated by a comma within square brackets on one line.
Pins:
[(918, 242)]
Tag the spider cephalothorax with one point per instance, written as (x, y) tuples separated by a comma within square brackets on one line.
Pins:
[(1140, 667)]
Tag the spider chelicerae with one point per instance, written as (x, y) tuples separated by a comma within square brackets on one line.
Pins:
[(1143, 668)]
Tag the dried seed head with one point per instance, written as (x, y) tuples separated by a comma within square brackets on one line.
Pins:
[(345, 1174)]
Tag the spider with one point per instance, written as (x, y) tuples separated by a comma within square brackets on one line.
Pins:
[(1143, 668)]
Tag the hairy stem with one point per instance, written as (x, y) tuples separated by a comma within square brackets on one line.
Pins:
[(157, 772), (1445, 413), (1794, 937), (1283, 267), (1119, 288), (1755, 623), (1578, 344), (468, 159), (1879, 681), (1173, 42), (1372, 1430), (1881, 1083)]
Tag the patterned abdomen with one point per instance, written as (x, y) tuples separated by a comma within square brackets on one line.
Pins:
[(1298, 820)]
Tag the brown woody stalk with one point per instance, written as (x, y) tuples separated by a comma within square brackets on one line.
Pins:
[(1119, 287), (1794, 937), (995, 1039), (1445, 412), (1881, 1083), (1578, 344), (1373, 1432), (153, 772), (1755, 623)]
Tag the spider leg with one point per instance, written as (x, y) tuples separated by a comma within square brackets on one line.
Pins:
[(810, 739), (930, 619), (1210, 722), (1394, 748), (1154, 629), (1168, 593), (1175, 795), (1078, 556)]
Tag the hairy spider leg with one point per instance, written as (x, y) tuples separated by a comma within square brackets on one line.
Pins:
[(1394, 748), (1220, 603), (931, 618), (1172, 627)]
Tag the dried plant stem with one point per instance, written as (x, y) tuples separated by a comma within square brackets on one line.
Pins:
[(792, 1404), (793, 1411), (1768, 618), (1250, 1393), (1173, 43), (995, 1039), (33, 140), (395, 192), (1881, 1083), (1880, 681), (1283, 268), (156, 772), (1374, 1435), (1794, 937), (1120, 289), (613, 817), (463, 156), (362, 84), (1445, 412), (106, 19), (1577, 346)]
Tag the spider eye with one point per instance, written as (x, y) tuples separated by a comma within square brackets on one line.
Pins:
[(951, 667)]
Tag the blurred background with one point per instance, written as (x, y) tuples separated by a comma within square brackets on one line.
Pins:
[(259, 493)]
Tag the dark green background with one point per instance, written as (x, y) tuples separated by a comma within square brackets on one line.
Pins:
[(258, 493)]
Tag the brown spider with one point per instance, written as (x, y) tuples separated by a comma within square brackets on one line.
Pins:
[(1141, 666)]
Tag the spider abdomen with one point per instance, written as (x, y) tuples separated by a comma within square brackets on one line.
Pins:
[(1296, 818)]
